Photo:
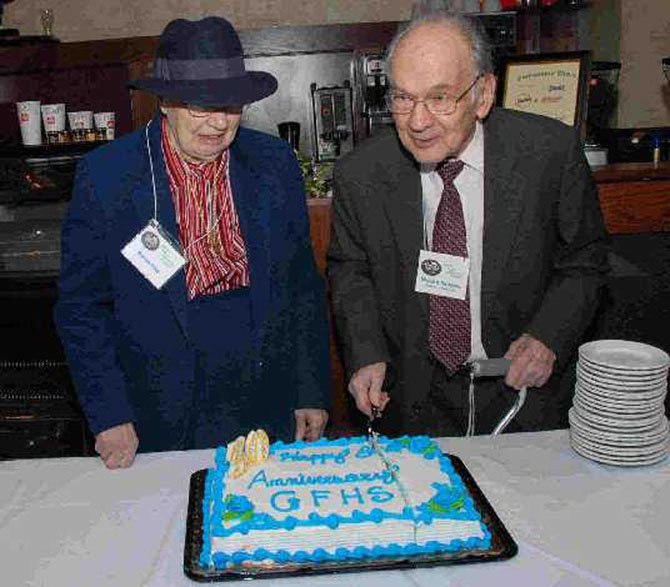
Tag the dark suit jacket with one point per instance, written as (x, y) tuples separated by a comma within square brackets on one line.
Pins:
[(129, 345), (544, 254)]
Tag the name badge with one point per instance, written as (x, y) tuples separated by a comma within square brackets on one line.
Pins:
[(440, 274), (154, 255)]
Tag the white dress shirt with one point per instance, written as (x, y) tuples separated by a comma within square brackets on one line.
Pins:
[(470, 187)]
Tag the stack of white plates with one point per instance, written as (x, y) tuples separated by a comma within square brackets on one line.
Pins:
[(618, 414)]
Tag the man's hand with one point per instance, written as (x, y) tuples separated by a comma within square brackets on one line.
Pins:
[(310, 423), (117, 446), (532, 362), (366, 387)]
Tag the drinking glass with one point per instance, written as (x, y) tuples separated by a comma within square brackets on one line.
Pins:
[(47, 19)]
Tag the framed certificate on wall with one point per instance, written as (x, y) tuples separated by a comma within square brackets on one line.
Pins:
[(551, 84)]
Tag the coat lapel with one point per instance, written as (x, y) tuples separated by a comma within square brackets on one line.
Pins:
[(248, 185), (503, 191), (404, 211), (143, 199)]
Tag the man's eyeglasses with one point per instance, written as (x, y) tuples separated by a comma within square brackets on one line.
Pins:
[(436, 103)]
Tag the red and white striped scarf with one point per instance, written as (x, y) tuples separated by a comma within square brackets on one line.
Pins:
[(209, 228)]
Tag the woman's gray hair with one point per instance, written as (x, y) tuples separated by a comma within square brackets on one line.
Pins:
[(469, 27)]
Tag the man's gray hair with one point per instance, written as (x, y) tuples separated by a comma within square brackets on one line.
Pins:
[(469, 27)]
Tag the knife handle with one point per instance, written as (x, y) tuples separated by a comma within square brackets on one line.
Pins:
[(490, 367)]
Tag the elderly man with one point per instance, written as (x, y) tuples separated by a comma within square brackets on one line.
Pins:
[(470, 232), (190, 308)]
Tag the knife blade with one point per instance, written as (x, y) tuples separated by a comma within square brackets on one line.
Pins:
[(375, 414)]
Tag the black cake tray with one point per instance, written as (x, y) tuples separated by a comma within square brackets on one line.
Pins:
[(502, 546)]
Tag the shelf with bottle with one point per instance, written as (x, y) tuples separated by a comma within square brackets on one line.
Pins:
[(47, 152), (545, 6)]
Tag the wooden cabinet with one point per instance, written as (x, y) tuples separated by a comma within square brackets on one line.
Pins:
[(635, 197)]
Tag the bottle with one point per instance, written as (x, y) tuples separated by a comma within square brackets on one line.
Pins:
[(657, 150)]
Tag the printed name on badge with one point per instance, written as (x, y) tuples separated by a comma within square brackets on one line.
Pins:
[(440, 274), (154, 255)]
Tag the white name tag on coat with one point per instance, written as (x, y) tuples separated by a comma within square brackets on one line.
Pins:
[(154, 254), (440, 274)]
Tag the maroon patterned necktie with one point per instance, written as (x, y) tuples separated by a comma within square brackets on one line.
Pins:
[(449, 333)]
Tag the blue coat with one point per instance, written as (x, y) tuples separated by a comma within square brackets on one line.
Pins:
[(134, 352)]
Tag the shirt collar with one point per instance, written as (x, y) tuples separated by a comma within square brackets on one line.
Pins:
[(473, 154)]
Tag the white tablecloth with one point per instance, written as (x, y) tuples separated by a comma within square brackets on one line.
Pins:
[(70, 522)]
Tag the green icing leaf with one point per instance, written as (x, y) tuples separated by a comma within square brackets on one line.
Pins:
[(438, 508), (237, 508)]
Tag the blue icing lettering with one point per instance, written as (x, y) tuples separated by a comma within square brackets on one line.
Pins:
[(339, 458), (259, 477), (365, 451), (318, 495), (355, 494), (289, 501), (379, 494)]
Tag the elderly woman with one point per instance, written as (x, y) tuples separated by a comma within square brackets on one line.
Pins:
[(190, 308)]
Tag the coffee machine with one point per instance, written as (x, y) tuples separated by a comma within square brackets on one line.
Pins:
[(372, 83), (602, 101), (333, 121)]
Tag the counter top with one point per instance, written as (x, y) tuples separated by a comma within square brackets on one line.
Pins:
[(617, 172), (577, 523)]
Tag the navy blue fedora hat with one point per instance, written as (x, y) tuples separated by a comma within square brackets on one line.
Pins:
[(201, 62)]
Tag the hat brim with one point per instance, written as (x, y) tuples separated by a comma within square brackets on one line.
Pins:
[(235, 91)]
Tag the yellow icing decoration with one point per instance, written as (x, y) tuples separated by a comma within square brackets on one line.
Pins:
[(243, 453), (256, 447), (236, 457)]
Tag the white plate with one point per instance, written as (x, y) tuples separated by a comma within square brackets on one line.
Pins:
[(651, 414), (618, 449), (641, 424), (629, 454), (630, 373), (624, 354), (614, 410), (617, 439), (611, 382), (612, 426), (640, 395), (610, 460), (616, 403), (627, 401), (620, 375)]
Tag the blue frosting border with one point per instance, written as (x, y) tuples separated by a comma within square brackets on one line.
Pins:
[(422, 445)]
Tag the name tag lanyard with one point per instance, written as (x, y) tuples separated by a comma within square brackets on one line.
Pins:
[(152, 251), (210, 207)]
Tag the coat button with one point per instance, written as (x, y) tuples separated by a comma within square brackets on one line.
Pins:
[(260, 363)]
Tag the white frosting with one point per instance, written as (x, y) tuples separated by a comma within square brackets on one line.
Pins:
[(282, 483)]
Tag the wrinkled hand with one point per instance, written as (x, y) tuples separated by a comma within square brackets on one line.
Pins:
[(532, 362), (366, 387), (117, 446), (310, 423)]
